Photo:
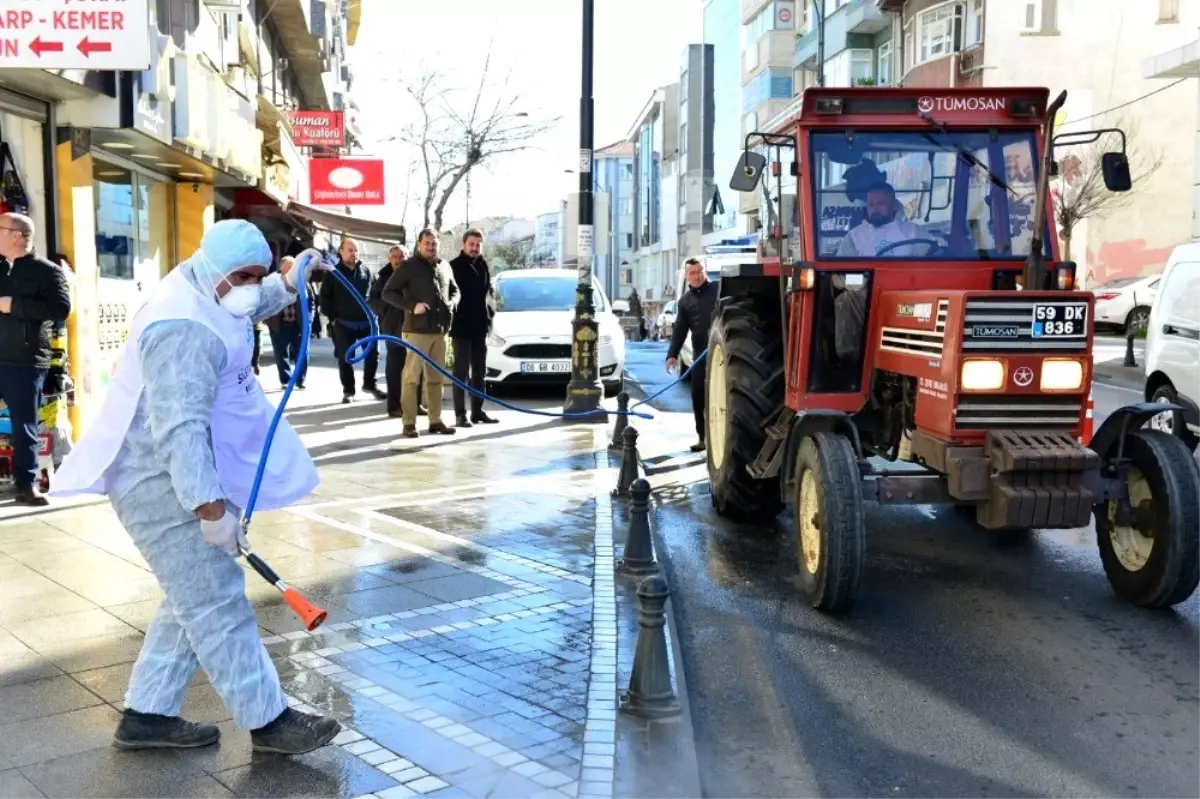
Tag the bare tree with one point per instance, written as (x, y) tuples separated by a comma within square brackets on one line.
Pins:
[(511, 254), (1080, 192), (451, 142)]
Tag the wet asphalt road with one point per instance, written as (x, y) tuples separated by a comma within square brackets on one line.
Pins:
[(969, 667)]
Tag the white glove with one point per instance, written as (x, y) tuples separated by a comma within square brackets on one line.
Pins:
[(225, 533), (307, 262)]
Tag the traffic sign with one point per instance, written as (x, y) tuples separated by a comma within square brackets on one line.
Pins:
[(75, 34)]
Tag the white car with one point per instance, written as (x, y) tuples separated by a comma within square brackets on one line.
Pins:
[(530, 341), (1173, 345), (1125, 303)]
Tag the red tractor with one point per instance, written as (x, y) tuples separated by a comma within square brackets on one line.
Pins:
[(909, 305)]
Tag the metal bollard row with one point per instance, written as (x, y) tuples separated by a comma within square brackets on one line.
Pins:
[(651, 693), (618, 440), (638, 557), (629, 462)]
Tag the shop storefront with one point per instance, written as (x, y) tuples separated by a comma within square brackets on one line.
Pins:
[(23, 167)]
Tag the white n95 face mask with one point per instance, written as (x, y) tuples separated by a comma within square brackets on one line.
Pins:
[(242, 300)]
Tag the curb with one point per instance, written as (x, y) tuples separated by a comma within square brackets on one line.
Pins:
[(684, 771), (1125, 376)]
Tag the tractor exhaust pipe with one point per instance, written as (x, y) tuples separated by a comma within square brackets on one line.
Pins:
[(1035, 270)]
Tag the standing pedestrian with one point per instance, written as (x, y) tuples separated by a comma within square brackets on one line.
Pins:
[(348, 322), (472, 324), (175, 449), (285, 330), (693, 314), (391, 323), (423, 287), (34, 299)]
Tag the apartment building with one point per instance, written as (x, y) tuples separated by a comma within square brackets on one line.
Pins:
[(722, 32), (612, 171), (858, 46), (655, 139), (695, 162), (1176, 65)]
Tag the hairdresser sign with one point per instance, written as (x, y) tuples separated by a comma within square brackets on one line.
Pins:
[(345, 181)]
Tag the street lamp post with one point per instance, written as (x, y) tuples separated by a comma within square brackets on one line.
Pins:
[(585, 391)]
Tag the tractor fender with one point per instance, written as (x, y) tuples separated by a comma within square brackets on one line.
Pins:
[(804, 424), (1125, 420)]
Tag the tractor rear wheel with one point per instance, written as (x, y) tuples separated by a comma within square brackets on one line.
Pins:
[(745, 386), (1154, 560), (830, 523)]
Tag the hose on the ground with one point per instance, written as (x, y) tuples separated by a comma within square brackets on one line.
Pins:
[(359, 350)]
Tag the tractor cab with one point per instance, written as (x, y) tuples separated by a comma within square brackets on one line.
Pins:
[(908, 304)]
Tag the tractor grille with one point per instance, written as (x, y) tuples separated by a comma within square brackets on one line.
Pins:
[(540, 351), (911, 341), (1017, 412), (1006, 325)]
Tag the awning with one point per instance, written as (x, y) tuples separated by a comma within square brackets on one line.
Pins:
[(352, 226)]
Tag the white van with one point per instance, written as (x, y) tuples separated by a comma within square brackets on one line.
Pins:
[(1173, 345)]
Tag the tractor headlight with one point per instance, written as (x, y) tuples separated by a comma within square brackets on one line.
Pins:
[(1062, 374), (982, 375)]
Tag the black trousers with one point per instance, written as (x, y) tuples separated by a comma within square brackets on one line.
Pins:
[(286, 343), (21, 389), (343, 337), (699, 397), (470, 363)]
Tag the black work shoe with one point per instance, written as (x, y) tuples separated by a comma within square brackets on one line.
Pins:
[(376, 393), (483, 418), (294, 733), (461, 421), (151, 731)]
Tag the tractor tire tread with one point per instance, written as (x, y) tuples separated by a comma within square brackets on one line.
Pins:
[(843, 520)]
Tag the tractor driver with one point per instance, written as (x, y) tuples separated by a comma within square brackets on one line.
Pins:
[(883, 226)]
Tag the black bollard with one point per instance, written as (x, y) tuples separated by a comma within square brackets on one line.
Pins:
[(629, 462), (639, 548), (622, 421), (650, 693), (1130, 360)]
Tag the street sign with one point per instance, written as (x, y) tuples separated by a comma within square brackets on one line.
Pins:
[(318, 128), (75, 34), (345, 181), (585, 241)]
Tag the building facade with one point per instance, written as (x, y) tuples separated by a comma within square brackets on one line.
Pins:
[(1183, 63), (1096, 51), (613, 176), (858, 45), (722, 32), (123, 172), (547, 239), (655, 139), (695, 185)]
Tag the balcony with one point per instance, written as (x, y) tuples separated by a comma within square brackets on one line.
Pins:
[(857, 17), (304, 28)]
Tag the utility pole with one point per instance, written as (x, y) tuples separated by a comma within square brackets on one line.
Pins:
[(819, 8), (584, 392)]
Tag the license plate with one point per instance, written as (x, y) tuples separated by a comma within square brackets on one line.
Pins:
[(544, 367), (1060, 320)]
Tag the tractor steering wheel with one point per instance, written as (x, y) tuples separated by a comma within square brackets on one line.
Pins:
[(934, 244)]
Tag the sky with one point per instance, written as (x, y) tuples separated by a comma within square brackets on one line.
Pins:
[(536, 57)]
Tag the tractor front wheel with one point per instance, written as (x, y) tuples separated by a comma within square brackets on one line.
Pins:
[(745, 388), (830, 523), (1151, 553)]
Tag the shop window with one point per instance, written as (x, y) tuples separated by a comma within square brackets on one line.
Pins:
[(134, 223), (116, 221)]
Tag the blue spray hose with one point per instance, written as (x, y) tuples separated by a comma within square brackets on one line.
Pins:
[(360, 348)]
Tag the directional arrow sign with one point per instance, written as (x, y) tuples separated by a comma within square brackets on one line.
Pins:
[(75, 34)]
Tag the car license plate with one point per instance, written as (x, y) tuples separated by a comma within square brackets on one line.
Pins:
[(1060, 320), (544, 367)]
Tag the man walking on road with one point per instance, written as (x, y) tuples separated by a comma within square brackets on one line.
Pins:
[(694, 314), (423, 287), (285, 331), (348, 322), (34, 299), (472, 323), (391, 323)]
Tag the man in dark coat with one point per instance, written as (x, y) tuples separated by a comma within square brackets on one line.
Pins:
[(472, 324), (34, 299), (347, 320), (391, 323), (694, 313)]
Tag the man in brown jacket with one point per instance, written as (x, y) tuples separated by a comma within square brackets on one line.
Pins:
[(423, 287)]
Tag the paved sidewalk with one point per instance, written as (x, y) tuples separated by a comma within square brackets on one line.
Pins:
[(471, 646)]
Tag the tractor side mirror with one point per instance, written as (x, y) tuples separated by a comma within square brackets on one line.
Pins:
[(1115, 167), (748, 171)]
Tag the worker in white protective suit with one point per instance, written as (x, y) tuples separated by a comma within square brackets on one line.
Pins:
[(175, 448)]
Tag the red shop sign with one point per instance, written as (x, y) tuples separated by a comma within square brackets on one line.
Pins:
[(318, 128), (345, 181)]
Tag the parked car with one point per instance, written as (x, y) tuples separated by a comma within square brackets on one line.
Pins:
[(666, 320), (530, 341), (1173, 345), (1125, 303)]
